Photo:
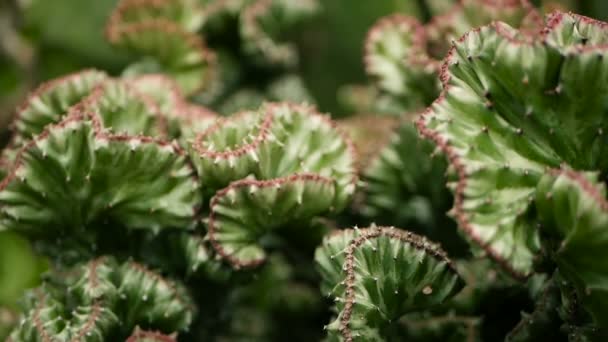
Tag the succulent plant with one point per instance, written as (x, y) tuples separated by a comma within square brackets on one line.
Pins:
[(403, 53), (297, 159), (92, 183), (98, 299), (157, 219), (171, 35), (519, 129), (378, 274)]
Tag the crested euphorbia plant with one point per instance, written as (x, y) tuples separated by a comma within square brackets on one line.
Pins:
[(403, 56), (403, 52), (162, 221), (378, 274), (94, 182), (245, 50), (521, 119)]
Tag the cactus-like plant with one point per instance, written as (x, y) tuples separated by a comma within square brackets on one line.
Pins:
[(162, 221), (378, 274), (516, 120), (403, 53), (171, 34), (93, 184)]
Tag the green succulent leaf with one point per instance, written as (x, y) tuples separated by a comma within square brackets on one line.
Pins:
[(123, 110), (91, 317), (278, 140), (395, 55), (76, 175), (405, 192), (573, 209), (184, 119), (379, 274), (169, 49), (51, 101), (246, 210), (148, 298), (103, 300), (165, 32), (403, 55), (514, 104)]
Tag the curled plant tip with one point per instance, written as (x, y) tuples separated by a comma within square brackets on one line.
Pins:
[(246, 210), (264, 21), (378, 274), (469, 14), (573, 209), (279, 165), (404, 55), (75, 175), (395, 54), (169, 49), (502, 120), (278, 140), (124, 110), (140, 335), (91, 317), (109, 300), (188, 14), (184, 119), (148, 298), (164, 90), (51, 101)]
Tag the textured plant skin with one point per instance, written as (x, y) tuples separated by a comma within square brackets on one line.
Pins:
[(184, 119), (168, 31), (522, 134), (378, 274), (573, 209), (165, 30), (403, 55), (83, 157), (52, 100), (260, 25), (107, 298), (301, 166)]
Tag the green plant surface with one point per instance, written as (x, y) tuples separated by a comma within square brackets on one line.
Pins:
[(299, 166), (101, 299), (496, 144), (403, 52), (378, 274)]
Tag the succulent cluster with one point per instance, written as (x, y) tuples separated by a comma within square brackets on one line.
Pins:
[(161, 220), (188, 41), (524, 137)]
